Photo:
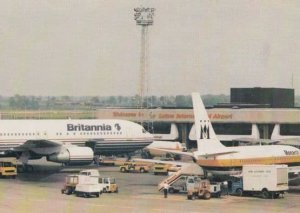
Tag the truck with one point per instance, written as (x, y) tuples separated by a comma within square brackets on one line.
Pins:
[(134, 167), (108, 184), (197, 187), (88, 186), (71, 181), (8, 167), (90, 172), (160, 169), (269, 181)]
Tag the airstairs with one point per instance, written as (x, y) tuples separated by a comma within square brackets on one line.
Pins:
[(178, 179)]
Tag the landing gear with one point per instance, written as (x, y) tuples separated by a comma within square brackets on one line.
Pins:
[(25, 168), (145, 155)]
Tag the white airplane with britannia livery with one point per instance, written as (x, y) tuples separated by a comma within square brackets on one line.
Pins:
[(72, 142)]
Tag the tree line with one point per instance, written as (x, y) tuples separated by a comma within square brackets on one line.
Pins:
[(21, 102)]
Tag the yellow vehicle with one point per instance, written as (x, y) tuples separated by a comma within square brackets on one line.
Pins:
[(198, 188), (161, 169), (8, 167), (134, 167), (108, 184)]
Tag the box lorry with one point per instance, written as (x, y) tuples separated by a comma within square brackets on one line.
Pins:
[(269, 181), (71, 181), (88, 186)]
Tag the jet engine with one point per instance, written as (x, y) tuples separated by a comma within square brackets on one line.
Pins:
[(73, 156)]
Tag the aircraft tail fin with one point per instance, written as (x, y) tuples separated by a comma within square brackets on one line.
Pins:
[(207, 140), (276, 132)]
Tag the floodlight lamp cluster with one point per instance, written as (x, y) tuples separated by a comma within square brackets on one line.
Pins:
[(144, 16)]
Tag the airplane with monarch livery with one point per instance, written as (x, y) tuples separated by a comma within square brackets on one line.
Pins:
[(72, 142), (216, 158)]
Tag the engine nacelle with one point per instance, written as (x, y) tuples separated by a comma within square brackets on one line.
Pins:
[(73, 156)]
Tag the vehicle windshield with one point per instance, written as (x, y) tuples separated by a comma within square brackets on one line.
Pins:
[(7, 164)]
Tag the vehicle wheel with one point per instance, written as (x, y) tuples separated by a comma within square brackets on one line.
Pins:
[(97, 195), (122, 169), (85, 195), (265, 194), (190, 197), (104, 190), (276, 195), (142, 170), (239, 192), (206, 196), (155, 173), (67, 191), (171, 190)]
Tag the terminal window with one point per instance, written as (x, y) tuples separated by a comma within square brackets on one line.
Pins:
[(232, 128), (290, 129), (158, 127)]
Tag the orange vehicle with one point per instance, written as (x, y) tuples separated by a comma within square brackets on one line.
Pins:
[(134, 167), (8, 167)]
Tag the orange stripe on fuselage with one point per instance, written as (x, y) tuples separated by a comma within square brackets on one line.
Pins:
[(240, 162)]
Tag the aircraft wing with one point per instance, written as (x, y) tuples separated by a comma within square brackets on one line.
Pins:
[(214, 154), (175, 163), (42, 147), (190, 154)]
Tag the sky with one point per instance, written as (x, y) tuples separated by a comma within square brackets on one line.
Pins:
[(92, 47)]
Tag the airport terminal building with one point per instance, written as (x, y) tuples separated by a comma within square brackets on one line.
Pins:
[(257, 113)]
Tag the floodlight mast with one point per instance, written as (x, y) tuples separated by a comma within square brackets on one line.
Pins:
[(144, 18)]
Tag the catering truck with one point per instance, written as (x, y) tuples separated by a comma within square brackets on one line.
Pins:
[(269, 181)]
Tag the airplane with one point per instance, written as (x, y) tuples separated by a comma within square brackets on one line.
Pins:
[(153, 150), (218, 159), (71, 142)]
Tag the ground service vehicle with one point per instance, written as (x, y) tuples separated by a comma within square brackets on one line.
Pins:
[(88, 186), (134, 167), (87, 190), (269, 181), (8, 167), (90, 172), (161, 169), (215, 189), (198, 188), (108, 184), (71, 181)]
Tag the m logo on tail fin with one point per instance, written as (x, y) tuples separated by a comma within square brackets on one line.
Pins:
[(204, 132)]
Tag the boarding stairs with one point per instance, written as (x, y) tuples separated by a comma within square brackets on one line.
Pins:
[(185, 171)]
